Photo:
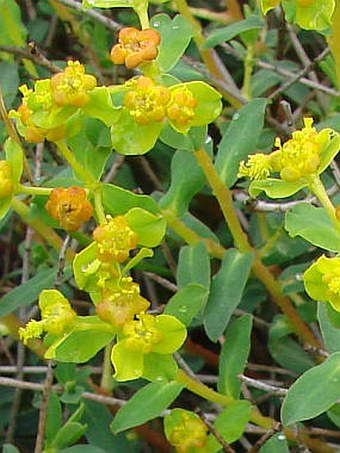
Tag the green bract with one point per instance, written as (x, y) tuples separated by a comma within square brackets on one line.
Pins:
[(322, 281), (308, 14), (144, 342)]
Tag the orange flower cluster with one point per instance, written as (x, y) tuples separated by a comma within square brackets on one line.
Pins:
[(135, 47), (70, 207)]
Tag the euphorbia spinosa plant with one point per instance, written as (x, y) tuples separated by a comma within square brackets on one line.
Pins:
[(119, 231)]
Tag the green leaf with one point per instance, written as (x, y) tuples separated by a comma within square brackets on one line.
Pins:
[(118, 201), (92, 158), (80, 346), (54, 417), (130, 138), (187, 302), (98, 433), (240, 139), (227, 33), (233, 419), (177, 140), (8, 448), (5, 205), (12, 32), (143, 253), (100, 106), (277, 444), (308, 221), (69, 434), (81, 267), (330, 334), (9, 82), (314, 392), (287, 352), (159, 368), (193, 266), (82, 448), (15, 156), (234, 355), (146, 404), (334, 414), (184, 184), (226, 291), (175, 34), (28, 292), (150, 228), (275, 188)]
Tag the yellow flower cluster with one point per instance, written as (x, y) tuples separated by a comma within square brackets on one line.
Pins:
[(122, 305), (71, 86), (298, 158), (57, 316), (148, 102), (115, 239), (142, 334)]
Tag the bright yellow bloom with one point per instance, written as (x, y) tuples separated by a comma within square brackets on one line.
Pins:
[(57, 316), (181, 107), (70, 207), (115, 239), (135, 47), (142, 334), (258, 166), (121, 306), (146, 101), (71, 86), (298, 158)]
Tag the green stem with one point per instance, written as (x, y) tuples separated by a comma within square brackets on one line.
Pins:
[(206, 54), (31, 190), (211, 395), (224, 198), (202, 390), (99, 206), (334, 40), (248, 70), (318, 189), (77, 167), (190, 236), (47, 233), (107, 382)]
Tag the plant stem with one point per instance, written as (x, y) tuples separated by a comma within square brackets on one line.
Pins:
[(207, 54), (234, 9), (47, 233), (190, 236), (224, 198), (31, 190), (99, 206), (248, 69), (76, 166), (320, 192), (334, 40), (202, 390)]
